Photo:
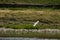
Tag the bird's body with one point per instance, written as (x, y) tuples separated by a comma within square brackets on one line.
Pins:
[(36, 23)]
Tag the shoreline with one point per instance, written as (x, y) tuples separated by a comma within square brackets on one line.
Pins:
[(31, 33)]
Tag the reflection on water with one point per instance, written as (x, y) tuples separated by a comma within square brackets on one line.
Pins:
[(15, 38)]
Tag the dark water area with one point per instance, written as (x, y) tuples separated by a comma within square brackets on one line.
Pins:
[(29, 5), (17, 38)]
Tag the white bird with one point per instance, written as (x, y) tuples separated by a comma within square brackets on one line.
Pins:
[(36, 23)]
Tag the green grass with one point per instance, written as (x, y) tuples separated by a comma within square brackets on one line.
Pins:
[(30, 26), (32, 1)]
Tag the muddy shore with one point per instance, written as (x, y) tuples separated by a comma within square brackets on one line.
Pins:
[(39, 33)]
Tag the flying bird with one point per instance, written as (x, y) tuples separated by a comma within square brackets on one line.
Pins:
[(36, 23)]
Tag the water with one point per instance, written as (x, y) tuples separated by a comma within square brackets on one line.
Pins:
[(16, 38)]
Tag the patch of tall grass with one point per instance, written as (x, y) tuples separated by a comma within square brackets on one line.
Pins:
[(24, 19)]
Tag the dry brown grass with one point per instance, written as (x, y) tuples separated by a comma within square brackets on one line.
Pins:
[(48, 18)]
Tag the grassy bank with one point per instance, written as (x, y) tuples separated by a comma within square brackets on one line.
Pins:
[(25, 18), (31, 1)]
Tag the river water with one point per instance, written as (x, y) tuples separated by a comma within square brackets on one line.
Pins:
[(16, 38)]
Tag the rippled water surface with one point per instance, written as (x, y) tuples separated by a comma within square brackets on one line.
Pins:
[(16, 38)]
